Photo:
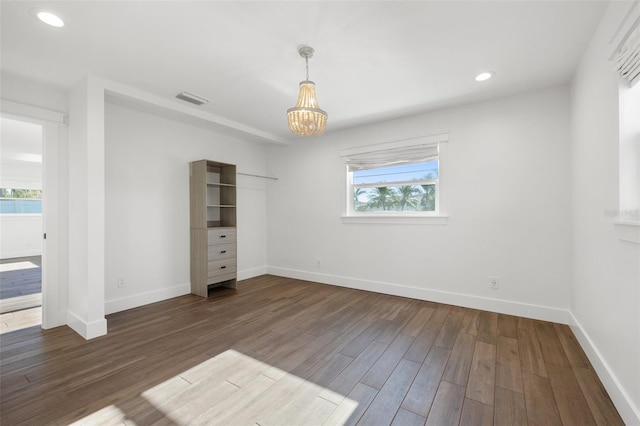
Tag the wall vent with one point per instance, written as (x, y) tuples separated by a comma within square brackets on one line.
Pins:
[(191, 98)]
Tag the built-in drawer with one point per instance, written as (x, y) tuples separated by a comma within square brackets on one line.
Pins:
[(221, 251), (221, 236), (221, 267), (220, 278)]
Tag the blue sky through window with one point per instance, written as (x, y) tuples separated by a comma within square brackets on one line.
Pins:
[(401, 173)]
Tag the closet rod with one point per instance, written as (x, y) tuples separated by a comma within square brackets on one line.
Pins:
[(258, 176)]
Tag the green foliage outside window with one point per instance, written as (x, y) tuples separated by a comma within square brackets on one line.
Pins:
[(21, 193), (396, 198)]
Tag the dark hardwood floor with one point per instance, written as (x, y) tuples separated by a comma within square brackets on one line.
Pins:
[(21, 277), (279, 351)]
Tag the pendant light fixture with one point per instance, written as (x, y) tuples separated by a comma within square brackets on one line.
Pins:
[(306, 118)]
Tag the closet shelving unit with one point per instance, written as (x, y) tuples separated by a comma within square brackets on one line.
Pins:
[(212, 199)]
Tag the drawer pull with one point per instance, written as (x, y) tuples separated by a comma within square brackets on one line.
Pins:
[(223, 236), (222, 267), (223, 251)]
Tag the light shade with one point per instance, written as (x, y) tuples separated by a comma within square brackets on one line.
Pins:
[(306, 118)]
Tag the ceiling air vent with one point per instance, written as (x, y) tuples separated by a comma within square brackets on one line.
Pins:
[(191, 98)]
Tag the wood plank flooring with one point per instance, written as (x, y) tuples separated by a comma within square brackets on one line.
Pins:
[(20, 283), (279, 351), (18, 320)]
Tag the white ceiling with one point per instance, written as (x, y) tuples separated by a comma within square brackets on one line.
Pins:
[(374, 60)]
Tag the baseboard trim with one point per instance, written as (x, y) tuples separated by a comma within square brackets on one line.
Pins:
[(21, 253), (88, 330), (59, 321), (538, 312), (627, 409), (251, 273), (141, 299), (117, 305)]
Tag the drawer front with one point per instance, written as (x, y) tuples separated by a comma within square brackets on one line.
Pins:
[(220, 278), (221, 267), (221, 236), (221, 251)]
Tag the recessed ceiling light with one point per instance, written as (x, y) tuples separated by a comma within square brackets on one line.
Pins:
[(48, 17), (483, 76), (51, 19)]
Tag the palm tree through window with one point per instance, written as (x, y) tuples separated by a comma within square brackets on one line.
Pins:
[(399, 188)]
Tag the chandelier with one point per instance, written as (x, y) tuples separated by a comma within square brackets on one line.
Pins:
[(306, 118)]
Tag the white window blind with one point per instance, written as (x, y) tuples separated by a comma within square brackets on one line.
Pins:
[(628, 58), (391, 157)]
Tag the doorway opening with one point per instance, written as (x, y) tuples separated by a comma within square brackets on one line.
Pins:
[(21, 222)]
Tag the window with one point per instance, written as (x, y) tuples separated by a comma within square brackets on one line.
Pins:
[(409, 187), (401, 179), (629, 154), (20, 201), (627, 216), (626, 56)]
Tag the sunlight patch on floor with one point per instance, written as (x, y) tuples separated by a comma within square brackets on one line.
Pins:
[(20, 303), (18, 320), (231, 389), (17, 266), (104, 416)]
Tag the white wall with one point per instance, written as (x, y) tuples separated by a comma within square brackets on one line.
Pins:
[(21, 235), (16, 88), (508, 186), (606, 269), (86, 209), (147, 203)]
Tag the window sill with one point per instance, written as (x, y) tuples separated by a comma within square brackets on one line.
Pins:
[(628, 230), (397, 219)]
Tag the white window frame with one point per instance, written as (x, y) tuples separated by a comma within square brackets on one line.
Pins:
[(625, 217), (437, 217)]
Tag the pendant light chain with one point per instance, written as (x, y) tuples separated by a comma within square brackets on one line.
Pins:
[(306, 59)]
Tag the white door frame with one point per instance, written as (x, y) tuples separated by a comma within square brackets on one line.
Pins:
[(54, 298)]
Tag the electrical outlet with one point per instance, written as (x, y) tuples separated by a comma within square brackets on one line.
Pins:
[(494, 283), (121, 282)]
